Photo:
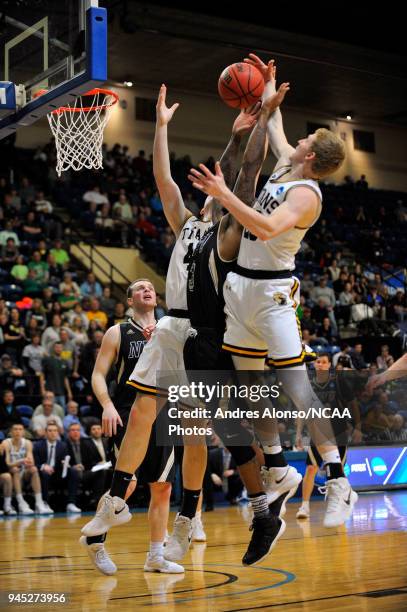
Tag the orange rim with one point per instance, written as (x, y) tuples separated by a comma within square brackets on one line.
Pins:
[(87, 109)]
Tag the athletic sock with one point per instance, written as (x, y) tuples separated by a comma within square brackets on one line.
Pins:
[(157, 549), (7, 503), (333, 465), (189, 502), (274, 456), (38, 499), (305, 503), (259, 504), (334, 470), (20, 499), (99, 539), (120, 482)]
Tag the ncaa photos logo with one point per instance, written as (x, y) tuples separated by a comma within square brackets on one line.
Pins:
[(378, 466)]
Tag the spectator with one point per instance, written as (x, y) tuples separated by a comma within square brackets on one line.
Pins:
[(107, 303), (362, 182), (384, 360), (324, 293), (6, 485), (95, 198), (61, 255), (79, 335), (91, 287), (27, 191), (334, 271), (75, 313), (119, 315), (101, 444), (20, 461), (40, 268), (72, 409), (19, 271), (325, 331), (84, 456), (50, 455), (221, 465), (67, 299), (9, 254), (343, 353), (10, 375), (56, 408), (40, 421), (31, 229), (52, 333), (42, 205), (38, 312), (339, 284), (33, 355), (54, 376), (7, 233), (70, 283), (9, 414), (397, 310), (358, 360), (14, 334), (68, 353), (95, 314)]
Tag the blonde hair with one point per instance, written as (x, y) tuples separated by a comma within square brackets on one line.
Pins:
[(329, 152), (134, 283)]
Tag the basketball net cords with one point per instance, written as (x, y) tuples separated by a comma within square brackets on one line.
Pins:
[(79, 133)]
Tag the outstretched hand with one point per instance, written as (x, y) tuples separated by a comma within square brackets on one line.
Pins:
[(267, 70), (246, 119), (211, 184), (164, 114), (273, 99)]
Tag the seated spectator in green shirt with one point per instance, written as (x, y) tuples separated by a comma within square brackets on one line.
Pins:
[(31, 285), (67, 300), (61, 256), (41, 268), (19, 271)]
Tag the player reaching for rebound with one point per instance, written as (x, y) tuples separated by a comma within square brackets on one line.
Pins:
[(122, 345), (260, 294), (212, 259), (163, 353)]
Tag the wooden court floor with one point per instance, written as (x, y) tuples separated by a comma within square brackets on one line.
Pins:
[(362, 566)]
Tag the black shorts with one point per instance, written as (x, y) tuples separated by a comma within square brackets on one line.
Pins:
[(204, 352), (315, 459), (158, 464)]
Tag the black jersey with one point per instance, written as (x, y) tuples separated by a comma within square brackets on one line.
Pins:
[(132, 342), (206, 276), (334, 394)]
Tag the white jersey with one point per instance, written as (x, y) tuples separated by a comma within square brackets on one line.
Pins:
[(277, 253), (177, 274)]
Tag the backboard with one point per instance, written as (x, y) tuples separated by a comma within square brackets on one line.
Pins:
[(51, 51)]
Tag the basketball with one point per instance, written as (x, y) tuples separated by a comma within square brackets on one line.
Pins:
[(240, 85)]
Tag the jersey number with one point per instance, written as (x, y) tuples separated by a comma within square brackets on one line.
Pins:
[(188, 256)]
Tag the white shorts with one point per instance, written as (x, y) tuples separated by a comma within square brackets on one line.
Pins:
[(162, 355), (261, 319)]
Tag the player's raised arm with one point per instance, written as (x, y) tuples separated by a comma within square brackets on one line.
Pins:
[(105, 359), (170, 194), (279, 145), (300, 210)]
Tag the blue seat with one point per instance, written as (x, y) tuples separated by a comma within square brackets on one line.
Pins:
[(2, 436), (25, 411), (84, 410), (26, 421)]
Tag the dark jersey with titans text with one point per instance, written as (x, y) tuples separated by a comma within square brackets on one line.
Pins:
[(132, 342), (206, 276)]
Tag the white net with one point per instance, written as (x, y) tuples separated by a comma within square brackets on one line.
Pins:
[(78, 131)]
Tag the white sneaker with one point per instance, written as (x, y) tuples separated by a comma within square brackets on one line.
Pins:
[(303, 512), (99, 557), (180, 539), (198, 532), (73, 509), (24, 508), (280, 490), (42, 508), (48, 507), (9, 511), (111, 512), (341, 500), (157, 563)]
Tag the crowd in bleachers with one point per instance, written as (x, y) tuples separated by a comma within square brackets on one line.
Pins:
[(53, 313)]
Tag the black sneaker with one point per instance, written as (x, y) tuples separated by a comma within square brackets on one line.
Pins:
[(266, 532)]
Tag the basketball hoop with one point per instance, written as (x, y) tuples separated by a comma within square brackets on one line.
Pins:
[(78, 130)]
